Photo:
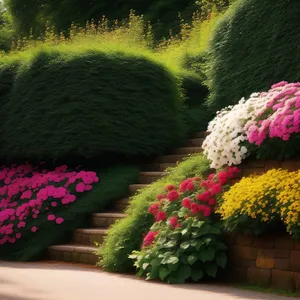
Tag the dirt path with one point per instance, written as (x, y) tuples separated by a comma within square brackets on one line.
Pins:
[(49, 281)]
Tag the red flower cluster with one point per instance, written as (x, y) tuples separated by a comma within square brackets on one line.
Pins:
[(149, 238), (200, 205)]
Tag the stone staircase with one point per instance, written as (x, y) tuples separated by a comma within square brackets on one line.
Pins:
[(82, 247)]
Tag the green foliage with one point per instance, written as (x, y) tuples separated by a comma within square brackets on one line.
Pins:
[(185, 242), (246, 58), (192, 252), (6, 30), (112, 186), (35, 14), (197, 118), (194, 88), (197, 115), (89, 105), (126, 234)]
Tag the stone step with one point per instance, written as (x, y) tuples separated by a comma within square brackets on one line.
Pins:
[(197, 142), (122, 204), (133, 188), (158, 167), (170, 158), (73, 253), (89, 236), (105, 220), (187, 150), (201, 134), (149, 177)]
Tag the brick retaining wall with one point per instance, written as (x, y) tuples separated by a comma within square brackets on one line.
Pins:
[(260, 166), (269, 261)]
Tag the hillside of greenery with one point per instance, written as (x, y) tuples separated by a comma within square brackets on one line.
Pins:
[(163, 14)]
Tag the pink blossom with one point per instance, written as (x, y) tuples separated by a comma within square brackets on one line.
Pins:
[(80, 187), (51, 217), (26, 195), (34, 229), (59, 220)]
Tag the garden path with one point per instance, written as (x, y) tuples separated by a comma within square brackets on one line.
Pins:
[(63, 281)]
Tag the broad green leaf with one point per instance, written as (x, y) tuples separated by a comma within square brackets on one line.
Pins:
[(133, 256), (215, 229), (161, 240), (221, 260), (173, 267), (221, 246), (199, 244), (180, 278), (153, 273), (170, 244), (198, 224), (208, 241), (140, 273), (185, 245), (184, 259), (192, 258), (145, 266), (163, 273), (196, 234), (155, 262), (185, 231), (211, 270), (172, 260), (207, 254), (185, 270), (197, 275), (181, 213)]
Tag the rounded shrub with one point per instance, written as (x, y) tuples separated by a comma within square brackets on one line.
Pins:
[(91, 104), (245, 57)]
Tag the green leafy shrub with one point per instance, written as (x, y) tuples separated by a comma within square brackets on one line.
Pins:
[(126, 234), (192, 252), (88, 105), (113, 184), (185, 241), (246, 58)]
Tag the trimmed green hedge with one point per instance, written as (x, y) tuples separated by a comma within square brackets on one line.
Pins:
[(255, 45), (91, 105), (113, 184), (126, 234)]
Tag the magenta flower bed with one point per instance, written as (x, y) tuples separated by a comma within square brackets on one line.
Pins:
[(29, 193)]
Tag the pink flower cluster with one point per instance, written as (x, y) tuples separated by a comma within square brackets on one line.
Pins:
[(29, 193), (187, 195), (281, 117)]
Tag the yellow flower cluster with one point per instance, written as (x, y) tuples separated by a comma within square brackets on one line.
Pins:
[(275, 194), (288, 200)]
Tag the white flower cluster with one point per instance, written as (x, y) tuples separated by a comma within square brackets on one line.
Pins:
[(223, 145)]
